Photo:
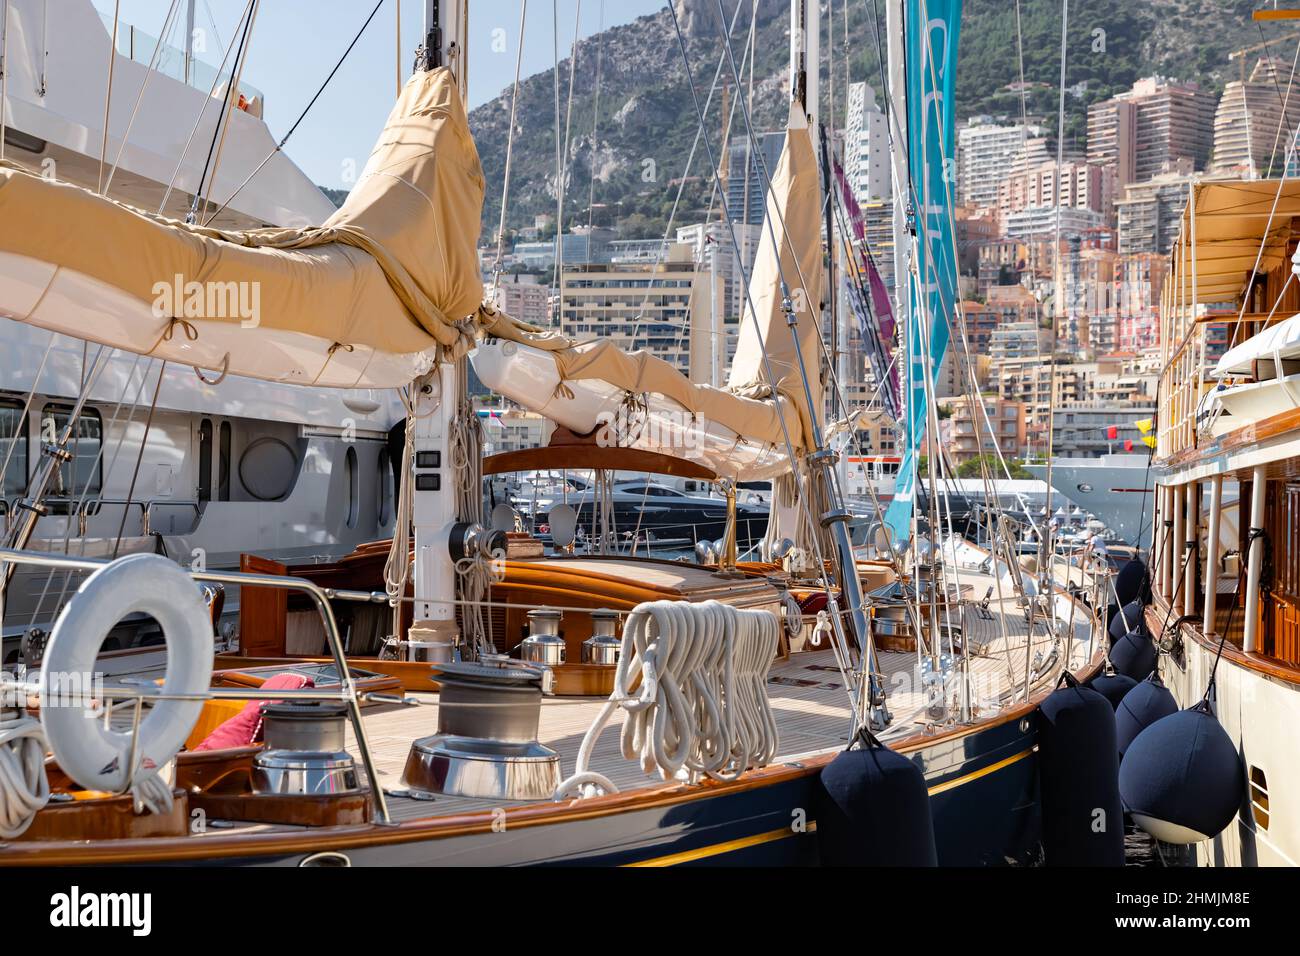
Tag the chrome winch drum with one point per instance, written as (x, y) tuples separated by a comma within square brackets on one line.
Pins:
[(486, 744), (544, 645), (604, 644), (304, 751)]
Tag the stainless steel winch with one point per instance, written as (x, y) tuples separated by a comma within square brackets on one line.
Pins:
[(486, 744), (304, 751), (604, 644), (544, 645)]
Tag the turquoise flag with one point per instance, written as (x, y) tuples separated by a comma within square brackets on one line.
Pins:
[(930, 41)]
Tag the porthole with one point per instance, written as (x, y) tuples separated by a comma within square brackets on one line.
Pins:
[(1084, 487), (267, 468)]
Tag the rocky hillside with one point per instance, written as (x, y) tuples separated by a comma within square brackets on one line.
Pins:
[(647, 118)]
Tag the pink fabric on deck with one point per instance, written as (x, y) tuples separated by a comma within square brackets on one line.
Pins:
[(245, 727)]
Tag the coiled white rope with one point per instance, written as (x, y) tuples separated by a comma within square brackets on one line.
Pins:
[(151, 792), (24, 788), (702, 708)]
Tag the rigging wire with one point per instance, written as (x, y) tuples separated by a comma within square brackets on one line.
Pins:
[(212, 89), (1056, 255), (853, 689), (510, 147), (167, 27), (108, 91), (4, 73), (301, 116), (218, 131)]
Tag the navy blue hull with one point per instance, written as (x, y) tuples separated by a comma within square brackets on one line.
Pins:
[(983, 794)]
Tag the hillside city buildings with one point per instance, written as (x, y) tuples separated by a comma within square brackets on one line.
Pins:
[(1062, 261)]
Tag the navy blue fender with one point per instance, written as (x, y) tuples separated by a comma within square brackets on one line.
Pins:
[(873, 809), (1078, 765), (1181, 778)]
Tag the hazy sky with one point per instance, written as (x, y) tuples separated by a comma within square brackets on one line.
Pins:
[(295, 43)]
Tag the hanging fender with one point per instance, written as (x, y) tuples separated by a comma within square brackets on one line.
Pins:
[(93, 755)]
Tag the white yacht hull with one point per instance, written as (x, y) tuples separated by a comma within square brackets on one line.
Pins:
[(1260, 712), (1117, 489)]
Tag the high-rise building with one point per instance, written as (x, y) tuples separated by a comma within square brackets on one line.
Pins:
[(1085, 297), (524, 297), (1147, 215), (1149, 129), (748, 172), (1079, 185), (1139, 280), (985, 152), (1254, 121), (878, 221), (714, 251), (1041, 224), (662, 307), (866, 145)]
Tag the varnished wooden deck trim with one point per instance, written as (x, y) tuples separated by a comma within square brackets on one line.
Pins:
[(812, 736)]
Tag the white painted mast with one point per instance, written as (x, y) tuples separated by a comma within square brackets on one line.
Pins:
[(433, 482)]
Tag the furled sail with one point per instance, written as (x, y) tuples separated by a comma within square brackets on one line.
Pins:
[(770, 350), (930, 39), (788, 263), (640, 400), (362, 300)]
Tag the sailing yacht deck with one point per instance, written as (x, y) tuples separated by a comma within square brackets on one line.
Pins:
[(807, 697)]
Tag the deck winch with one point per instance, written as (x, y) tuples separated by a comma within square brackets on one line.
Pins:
[(486, 744), (603, 645), (305, 750), (544, 645)]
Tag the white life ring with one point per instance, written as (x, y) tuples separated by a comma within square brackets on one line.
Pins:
[(88, 751)]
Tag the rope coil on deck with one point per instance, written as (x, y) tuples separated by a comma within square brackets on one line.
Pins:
[(24, 788), (702, 708)]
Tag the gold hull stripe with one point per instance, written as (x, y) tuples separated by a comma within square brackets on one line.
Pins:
[(731, 846)]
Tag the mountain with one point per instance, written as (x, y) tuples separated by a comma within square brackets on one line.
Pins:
[(646, 118)]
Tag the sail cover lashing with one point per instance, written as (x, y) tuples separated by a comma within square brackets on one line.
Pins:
[(362, 300)]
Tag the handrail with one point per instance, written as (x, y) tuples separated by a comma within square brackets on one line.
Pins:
[(347, 685)]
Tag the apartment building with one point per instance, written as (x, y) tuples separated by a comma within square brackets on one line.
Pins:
[(982, 426), (1149, 129), (749, 167), (663, 307), (1254, 121), (714, 250), (985, 151), (866, 145), (1073, 183), (524, 297)]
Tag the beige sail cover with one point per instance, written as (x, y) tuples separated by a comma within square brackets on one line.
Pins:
[(789, 248), (378, 285), (754, 419)]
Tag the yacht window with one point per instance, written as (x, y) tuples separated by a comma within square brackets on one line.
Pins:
[(267, 468), (384, 488), (223, 464), (353, 482), (85, 473), (13, 447), (205, 460)]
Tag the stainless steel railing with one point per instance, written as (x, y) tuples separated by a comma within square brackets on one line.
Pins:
[(347, 691)]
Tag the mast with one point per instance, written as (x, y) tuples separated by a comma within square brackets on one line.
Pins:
[(439, 539), (822, 461)]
